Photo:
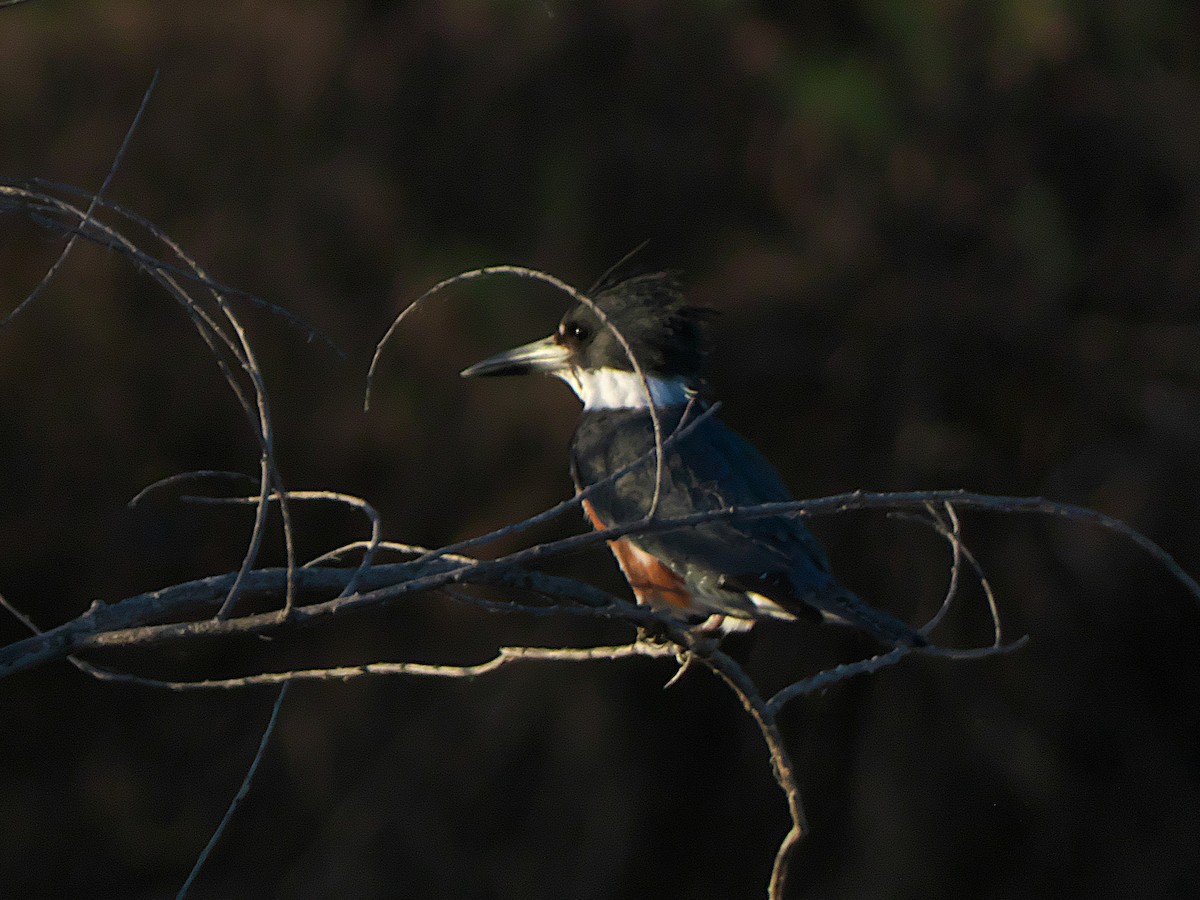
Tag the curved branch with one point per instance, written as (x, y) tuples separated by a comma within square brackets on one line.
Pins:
[(781, 762), (576, 295)]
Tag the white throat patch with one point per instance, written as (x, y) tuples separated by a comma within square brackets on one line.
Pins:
[(619, 389)]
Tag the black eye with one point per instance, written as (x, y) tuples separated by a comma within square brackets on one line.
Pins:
[(574, 332)]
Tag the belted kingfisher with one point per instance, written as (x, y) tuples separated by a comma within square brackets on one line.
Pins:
[(727, 572)]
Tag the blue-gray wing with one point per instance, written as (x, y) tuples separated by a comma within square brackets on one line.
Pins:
[(713, 468)]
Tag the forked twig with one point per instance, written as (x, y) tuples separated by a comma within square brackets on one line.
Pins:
[(954, 535)]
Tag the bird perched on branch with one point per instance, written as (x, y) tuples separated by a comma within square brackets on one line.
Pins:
[(725, 572)]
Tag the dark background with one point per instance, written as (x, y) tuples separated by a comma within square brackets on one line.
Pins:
[(954, 245)]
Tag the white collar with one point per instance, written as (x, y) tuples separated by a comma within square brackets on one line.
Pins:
[(622, 389)]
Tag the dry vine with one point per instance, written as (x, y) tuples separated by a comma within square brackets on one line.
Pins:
[(320, 590)]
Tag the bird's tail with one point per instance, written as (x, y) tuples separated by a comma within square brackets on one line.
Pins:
[(837, 604), (830, 603)]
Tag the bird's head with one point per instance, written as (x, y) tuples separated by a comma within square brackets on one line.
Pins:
[(663, 332)]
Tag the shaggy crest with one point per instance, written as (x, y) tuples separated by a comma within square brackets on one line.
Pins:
[(667, 335)]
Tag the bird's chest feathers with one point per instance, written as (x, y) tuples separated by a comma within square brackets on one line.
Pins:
[(607, 440), (653, 582)]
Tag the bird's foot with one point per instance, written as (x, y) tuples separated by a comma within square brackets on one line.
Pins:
[(653, 633), (686, 659)]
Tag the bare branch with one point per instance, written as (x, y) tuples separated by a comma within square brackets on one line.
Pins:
[(424, 553), (126, 623), (172, 480), (91, 209), (369, 547), (32, 200), (239, 796), (951, 532), (233, 341), (954, 535), (576, 295), (504, 657), (781, 764)]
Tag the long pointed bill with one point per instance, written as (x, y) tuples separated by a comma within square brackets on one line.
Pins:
[(547, 356)]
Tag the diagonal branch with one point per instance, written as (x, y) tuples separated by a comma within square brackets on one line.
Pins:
[(86, 218), (242, 791), (763, 715)]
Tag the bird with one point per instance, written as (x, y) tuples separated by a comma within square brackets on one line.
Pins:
[(722, 575)]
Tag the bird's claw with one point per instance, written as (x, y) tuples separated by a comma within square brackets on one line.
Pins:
[(685, 659)]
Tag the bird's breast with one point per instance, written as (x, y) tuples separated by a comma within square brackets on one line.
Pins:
[(652, 581)]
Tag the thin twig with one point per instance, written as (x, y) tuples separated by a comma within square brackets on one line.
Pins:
[(209, 330), (423, 553), (503, 657), (961, 552), (239, 796), (838, 673), (172, 480), (830, 677), (215, 336), (579, 297), (369, 547), (91, 208), (311, 333), (728, 670), (954, 536)]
